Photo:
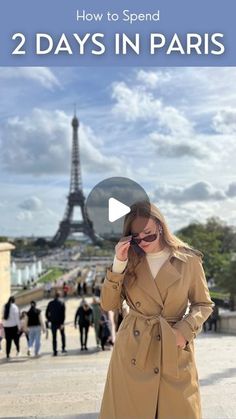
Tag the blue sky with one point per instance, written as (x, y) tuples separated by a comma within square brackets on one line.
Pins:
[(170, 129)]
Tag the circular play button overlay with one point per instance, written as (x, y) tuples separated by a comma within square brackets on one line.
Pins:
[(110, 201)]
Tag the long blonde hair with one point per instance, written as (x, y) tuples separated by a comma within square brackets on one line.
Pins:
[(167, 238)]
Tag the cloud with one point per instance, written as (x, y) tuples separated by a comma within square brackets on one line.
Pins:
[(31, 204), (153, 79), (41, 143), (231, 192), (200, 191), (225, 121), (166, 147), (137, 104), (41, 75), (24, 216)]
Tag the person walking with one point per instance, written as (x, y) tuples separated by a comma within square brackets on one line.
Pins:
[(11, 324), (96, 318), (214, 317), (106, 335), (35, 325), (152, 371), (1, 335), (65, 289), (84, 318), (55, 315), (23, 326)]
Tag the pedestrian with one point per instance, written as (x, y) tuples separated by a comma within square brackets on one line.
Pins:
[(55, 315), (84, 318), (1, 335), (79, 289), (84, 288), (11, 324), (214, 317), (97, 291), (105, 330), (35, 325), (23, 326), (152, 371), (65, 289), (47, 289), (96, 318)]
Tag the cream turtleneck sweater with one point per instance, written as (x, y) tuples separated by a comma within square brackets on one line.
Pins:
[(155, 262)]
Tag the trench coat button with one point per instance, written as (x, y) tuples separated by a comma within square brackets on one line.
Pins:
[(156, 370), (133, 361), (136, 333), (138, 304), (115, 287), (158, 337)]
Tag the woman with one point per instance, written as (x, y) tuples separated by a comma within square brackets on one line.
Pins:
[(152, 371), (11, 324), (35, 325), (84, 317)]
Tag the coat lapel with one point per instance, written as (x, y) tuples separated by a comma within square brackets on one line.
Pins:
[(169, 273), (166, 277), (146, 281)]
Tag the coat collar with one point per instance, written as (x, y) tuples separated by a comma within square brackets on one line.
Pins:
[(169, 273)]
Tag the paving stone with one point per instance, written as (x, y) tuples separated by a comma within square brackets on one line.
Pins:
[(71, 386)]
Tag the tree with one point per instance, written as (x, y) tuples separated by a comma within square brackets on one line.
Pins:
[(3, 239), (217, 241), (209, 241), (227, 280)]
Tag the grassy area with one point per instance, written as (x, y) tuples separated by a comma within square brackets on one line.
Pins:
[(52, 275), (91, 250)]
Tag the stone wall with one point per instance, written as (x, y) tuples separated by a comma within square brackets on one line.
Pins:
[(5, 273), (227, 323)]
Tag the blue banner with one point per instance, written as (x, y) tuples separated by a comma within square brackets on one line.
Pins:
[(112, 33)]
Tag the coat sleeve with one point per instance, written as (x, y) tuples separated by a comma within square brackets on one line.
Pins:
[(112, 294), (201, 305)]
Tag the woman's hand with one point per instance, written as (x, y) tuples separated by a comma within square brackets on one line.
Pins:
[(180, 340), (122, 248)]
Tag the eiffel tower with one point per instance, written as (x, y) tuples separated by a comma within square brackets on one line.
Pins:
[(75, 199)]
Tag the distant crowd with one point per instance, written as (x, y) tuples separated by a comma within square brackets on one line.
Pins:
[(31, 324)]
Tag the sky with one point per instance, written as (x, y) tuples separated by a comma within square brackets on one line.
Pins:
[(172, 130)]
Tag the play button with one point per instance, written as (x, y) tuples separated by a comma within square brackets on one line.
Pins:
[(110, 202), (116, 210)]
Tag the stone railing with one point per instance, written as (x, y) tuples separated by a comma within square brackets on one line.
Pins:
[(227, 322)]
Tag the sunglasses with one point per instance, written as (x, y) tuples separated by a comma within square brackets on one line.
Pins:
[(150, 238)]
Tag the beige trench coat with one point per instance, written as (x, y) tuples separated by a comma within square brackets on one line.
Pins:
[(149, 375)]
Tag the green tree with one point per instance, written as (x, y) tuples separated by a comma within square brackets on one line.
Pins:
[(226, 278), (208, 241)]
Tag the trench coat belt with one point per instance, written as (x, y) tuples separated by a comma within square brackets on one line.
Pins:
[(169, 348)]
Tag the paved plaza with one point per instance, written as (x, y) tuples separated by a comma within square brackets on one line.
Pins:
[(71, 385)]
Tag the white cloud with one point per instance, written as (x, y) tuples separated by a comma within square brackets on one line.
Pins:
[(225, 121), (41, 144), (41, 75), (137, 104), (24, 216), (199, 191), (168, 147), (31, 204), (153, 79)]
